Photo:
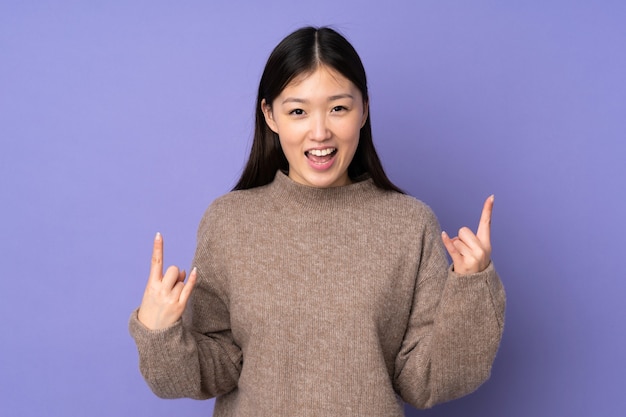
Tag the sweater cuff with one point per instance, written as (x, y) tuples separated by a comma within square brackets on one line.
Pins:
[(149, 340), (470, 283), (487, 275)]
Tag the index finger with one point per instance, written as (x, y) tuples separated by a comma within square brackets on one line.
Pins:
[(484, 225), (156, 266)]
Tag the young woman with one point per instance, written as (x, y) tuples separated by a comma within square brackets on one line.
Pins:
[(318, 288)]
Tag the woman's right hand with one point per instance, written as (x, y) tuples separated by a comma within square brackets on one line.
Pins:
[(166, 296)]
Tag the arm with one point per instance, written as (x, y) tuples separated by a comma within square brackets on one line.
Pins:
[(183, 357), (456, 322)]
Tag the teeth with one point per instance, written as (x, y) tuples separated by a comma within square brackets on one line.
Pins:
[(322, 152)]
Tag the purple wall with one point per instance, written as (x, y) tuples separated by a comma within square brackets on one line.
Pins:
[(120, 120)]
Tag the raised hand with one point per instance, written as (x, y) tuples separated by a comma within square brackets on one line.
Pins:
[(166, 296), (471, 252)]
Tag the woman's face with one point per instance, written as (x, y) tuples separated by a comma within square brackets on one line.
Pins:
[(318, 117)]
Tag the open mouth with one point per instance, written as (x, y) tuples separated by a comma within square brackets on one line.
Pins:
[(320, 156)]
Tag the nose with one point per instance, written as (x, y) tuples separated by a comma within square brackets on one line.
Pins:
[(319, 130)]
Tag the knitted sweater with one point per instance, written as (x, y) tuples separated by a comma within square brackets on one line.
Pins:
[(324, 302)]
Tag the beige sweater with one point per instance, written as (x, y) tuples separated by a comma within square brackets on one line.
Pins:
[(324, 302)]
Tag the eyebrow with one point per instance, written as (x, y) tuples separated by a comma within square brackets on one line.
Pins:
[(331, 98)]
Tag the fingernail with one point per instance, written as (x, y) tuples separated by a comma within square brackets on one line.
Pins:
[(158, 235)]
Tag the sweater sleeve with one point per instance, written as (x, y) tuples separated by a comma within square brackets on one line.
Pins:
[(196, 357), (454, 329)]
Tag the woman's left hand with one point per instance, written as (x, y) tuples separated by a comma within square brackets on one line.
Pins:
[(471, 252)]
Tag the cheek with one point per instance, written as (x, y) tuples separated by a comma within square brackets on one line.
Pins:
[(289, 143), (350, 135), (286, 131), (292, 136), (284, 134)]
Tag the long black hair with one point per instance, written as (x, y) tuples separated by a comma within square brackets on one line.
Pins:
[(301, 52)]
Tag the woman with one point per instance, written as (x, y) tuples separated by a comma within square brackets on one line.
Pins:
[(318, 287)]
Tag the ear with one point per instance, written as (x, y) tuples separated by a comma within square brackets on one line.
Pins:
[(366, 113), (269, 116)]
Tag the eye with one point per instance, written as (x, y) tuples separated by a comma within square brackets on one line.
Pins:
[(338, 109), (297, 112)]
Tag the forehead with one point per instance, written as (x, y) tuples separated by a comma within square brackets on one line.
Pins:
[(321, 78)]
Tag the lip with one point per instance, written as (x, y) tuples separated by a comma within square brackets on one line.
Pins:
[(317, 166)]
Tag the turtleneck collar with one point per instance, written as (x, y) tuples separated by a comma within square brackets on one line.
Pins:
[(284, 188)]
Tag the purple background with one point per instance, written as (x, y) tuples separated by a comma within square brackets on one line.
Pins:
[(122, 119)]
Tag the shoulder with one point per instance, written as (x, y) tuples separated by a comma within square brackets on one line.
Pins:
[(234, 206), (238, 200), (402, 206)]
